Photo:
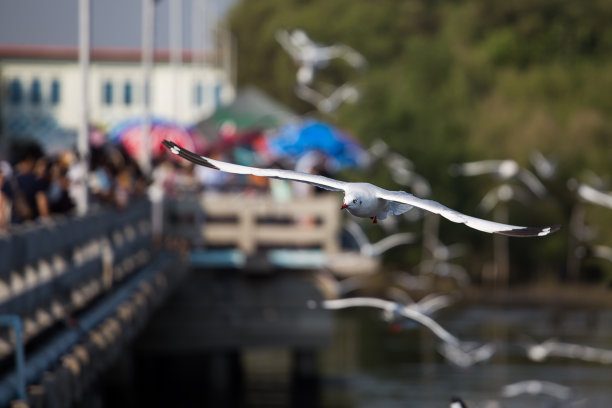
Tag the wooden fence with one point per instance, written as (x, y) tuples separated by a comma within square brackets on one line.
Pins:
[(249, 223)]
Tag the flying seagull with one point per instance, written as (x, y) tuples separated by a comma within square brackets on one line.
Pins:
[(364, 199)]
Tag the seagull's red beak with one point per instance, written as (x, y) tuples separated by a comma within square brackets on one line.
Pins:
[(343, 206)]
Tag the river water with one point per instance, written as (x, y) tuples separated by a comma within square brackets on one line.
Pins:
[(372, 364)]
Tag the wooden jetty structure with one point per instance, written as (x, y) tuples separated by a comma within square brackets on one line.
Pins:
[(90, 305)]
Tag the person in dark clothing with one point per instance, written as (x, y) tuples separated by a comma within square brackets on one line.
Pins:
[(26, 191), (58, 194), (4, 200)]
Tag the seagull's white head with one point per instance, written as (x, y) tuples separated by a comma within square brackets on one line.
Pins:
[(351, 202)]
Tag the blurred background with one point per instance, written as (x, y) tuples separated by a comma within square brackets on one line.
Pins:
[(500, 111)]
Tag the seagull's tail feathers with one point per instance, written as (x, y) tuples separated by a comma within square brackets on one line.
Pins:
[(186, 154)]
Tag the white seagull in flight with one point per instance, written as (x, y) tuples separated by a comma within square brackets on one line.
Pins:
[(364, 199)]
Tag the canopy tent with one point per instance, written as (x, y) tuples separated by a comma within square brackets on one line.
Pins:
[(251, 109), (297, 139)]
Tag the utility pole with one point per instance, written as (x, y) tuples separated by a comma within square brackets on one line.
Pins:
[(148, 30), (176, 52), (83, 135)]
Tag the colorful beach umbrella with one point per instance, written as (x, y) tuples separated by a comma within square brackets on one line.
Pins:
[(129, 134)]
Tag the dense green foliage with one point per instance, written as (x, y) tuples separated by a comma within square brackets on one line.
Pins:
[(453, 81)]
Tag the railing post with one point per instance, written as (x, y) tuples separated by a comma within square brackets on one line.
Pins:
[(14, 321)]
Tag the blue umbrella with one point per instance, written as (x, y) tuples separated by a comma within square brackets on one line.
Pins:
[(295, 140)]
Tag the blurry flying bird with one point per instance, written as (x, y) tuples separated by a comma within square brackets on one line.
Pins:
[(311, 56), (542, 165), (463, 352), (590, 194), (536, 387), (378, 248), (504, 169), (328, 104), (553, 348)]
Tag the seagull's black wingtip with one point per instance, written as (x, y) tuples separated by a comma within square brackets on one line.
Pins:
[(169, 144), (186, 154), (531, 231)]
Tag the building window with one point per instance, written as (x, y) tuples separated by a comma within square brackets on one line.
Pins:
[(217, 95), (127, 93), (55, 92), (108, 93), (16, 92), (35, 92), (198, 94)]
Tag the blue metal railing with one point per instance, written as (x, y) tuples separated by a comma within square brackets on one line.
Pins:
[(19, 382), (125, 233), (32, 368)]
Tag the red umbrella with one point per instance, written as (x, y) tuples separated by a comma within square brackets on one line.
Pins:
[(129, 135)]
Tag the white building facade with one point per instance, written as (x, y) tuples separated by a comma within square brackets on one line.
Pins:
[(41, 95)]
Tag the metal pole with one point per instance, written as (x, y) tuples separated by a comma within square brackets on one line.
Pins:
[(213, 30), (196, 37), (83, 135), (15, 322), (176, 51), (148, 30)]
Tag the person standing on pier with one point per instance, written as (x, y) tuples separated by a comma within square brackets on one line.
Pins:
[(25, 191)]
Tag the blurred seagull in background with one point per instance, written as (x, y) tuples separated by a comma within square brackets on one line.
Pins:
[(503, 193), (401, 168), (544, 167), (328, 104), (391, 309), (311, 56), (590, 194), (461, 353), (468, 354), (378, 248), (364, 199), (504, 169), (536, 387), (553, 348)]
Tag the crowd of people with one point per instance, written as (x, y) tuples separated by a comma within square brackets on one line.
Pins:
[(35, 187)]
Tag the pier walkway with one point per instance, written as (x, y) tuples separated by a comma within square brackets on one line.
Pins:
[(93, 313)]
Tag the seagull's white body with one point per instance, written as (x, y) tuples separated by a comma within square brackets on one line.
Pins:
[(364, 199)]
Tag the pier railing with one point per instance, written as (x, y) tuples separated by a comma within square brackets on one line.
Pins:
[(226, 229), (249, 223), (79, 287)]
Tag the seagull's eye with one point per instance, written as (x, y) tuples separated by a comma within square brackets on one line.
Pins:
[(355, 201)]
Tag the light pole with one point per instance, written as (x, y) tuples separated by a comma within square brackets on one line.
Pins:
[(83, 135), (148, 30), (176, 51)]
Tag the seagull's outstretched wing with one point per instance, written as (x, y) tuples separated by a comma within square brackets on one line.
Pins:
[(456, 216), (318, 181), (284, 39)]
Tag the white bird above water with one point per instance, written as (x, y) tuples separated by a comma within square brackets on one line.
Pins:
[(364, 199)]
